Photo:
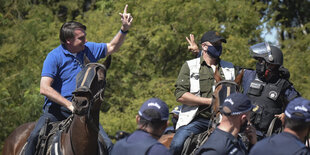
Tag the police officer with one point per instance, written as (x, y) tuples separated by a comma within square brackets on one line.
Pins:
[(291, 140), (224, 140), (268, 87), (152, 122)]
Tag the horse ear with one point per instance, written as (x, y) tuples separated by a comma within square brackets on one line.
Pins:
[(107, 62), (217, 75), (239, 77)]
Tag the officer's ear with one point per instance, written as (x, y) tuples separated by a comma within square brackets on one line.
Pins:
[(137, 119), (244, 117)]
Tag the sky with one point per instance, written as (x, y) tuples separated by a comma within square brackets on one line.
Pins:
[(270, 36)]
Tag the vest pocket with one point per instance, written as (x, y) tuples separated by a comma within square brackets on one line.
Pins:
[(256, 89), (206, 84), (262, 117)]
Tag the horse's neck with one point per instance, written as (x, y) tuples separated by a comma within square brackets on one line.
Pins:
[(84, 137)]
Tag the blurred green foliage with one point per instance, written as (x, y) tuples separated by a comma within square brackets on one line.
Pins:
[(148, 63)]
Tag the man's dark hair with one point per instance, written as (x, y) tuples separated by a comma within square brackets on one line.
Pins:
[(67, 30), (156, 122), (295, 124)]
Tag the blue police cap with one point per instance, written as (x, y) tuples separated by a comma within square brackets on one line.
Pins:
[(156, 104), (236, 104), (298, 108)]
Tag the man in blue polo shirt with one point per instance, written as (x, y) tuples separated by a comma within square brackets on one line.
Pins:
[(224, 140), (152, 120), (61, 67), (291, 140)]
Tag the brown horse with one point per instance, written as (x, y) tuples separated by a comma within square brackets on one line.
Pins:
[(166, 139), (80, 136), (223, 88)]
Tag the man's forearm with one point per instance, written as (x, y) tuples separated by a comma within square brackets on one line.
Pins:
[(116, 42), (53, 95), (192, 100)]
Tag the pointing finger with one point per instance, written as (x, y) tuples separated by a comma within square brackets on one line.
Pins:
[(125, 10)]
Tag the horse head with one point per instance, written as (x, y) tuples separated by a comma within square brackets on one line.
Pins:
[(224, 88), (90, 86), (82, 134)]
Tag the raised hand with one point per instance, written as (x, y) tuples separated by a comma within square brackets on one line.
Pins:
[(126, 19), (192, 45)]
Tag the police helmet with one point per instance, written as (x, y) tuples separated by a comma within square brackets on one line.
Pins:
[(270, 54)]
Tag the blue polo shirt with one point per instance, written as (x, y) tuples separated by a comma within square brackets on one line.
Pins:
[(222, 143), (281, 144), (63, 66), (139, 143)]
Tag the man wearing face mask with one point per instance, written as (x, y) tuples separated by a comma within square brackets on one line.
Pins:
[(296, 132), (194, 88), (224, 140), (268, 87)]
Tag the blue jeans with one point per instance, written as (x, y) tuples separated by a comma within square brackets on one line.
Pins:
[(197, 126), (54, 114)]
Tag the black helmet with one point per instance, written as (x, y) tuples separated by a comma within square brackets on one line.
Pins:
[(270, 54)]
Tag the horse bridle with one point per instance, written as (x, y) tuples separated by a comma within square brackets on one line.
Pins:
[(227, 81), (213, 110), (84, 91)]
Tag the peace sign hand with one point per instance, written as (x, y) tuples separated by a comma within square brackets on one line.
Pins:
[(192, 45), (126, 19)]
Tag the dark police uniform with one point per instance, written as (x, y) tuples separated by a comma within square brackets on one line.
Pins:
[(222, 143), (280, 144), (271, 98), (139, 143)]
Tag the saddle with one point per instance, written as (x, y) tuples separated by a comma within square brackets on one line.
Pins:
[(193, 142), (49, 139)]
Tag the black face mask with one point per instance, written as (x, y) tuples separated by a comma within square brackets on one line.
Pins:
[(271, 75), (265, 74), (260, 70), (214, 51)]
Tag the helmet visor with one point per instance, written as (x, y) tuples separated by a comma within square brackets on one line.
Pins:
[(261, 50)]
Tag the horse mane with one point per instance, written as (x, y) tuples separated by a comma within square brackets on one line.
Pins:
[(239, 77)]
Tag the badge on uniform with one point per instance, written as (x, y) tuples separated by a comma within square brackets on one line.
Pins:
[(195, 76), (273, 95)]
